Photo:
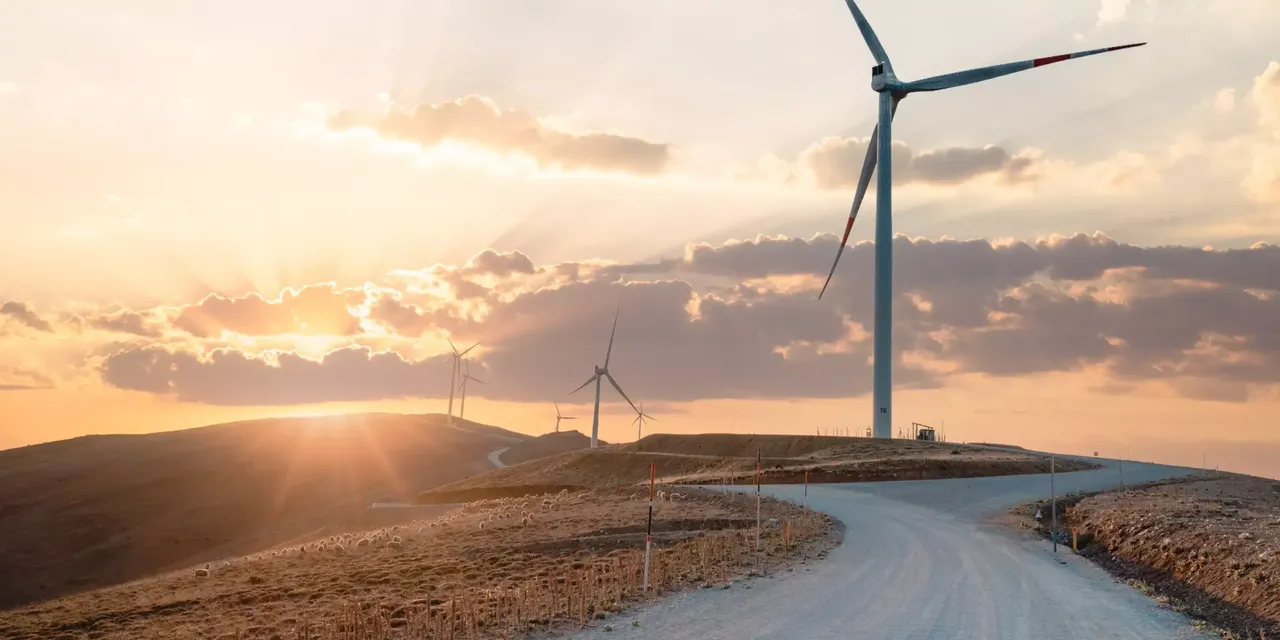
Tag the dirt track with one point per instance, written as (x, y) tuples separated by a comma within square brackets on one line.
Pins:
[(922, 560)]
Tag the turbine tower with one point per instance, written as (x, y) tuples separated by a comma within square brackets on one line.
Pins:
[(466, 375), (879, 151), (453, 375), (641, 416), (602, 373), (560, 417)]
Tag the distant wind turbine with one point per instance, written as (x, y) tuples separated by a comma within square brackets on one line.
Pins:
[(879, 151), (603, 372), (453, 375), (560, 417), (641, 416), (466, 375)]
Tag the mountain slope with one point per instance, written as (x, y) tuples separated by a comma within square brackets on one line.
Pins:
[(99, 510)]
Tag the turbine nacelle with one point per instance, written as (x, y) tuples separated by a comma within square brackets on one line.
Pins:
[(883, 78)]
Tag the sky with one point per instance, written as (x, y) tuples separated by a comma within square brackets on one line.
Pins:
[(214, 211)]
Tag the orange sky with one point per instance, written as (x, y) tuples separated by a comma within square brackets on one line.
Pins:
[(207, 217)]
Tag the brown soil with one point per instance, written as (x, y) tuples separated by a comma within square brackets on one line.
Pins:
[(1209, 547), (580, 559), (99, 510), (549, 444), (730, 459)]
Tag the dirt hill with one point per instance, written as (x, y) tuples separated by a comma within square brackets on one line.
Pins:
[(728, 458), (549, 444), (100, 510)]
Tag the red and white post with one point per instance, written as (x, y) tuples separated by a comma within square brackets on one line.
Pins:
[(648, 532)]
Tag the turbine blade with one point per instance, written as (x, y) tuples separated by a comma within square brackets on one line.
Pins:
[(609, 351), (589, 381), (557, 404), (649, 417), (962, 78), (455, 349), (568, 418), (864, 181), (468, 350), (475, 379), (620, 391), (868, 34)]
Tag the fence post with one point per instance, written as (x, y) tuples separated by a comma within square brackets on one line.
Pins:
[(648, 532)]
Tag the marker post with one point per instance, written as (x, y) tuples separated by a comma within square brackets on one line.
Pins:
[(648, 530), (757, 500)]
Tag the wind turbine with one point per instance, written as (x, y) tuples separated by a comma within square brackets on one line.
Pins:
[(641, 416), (466, 375), (453, 375), (879, 151), (603, 372), (560, 417)]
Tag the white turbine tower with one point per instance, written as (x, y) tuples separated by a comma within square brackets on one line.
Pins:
[(603, 372), (641, 416), (879, 151), (453, 375), (560, 417), (466, 375)]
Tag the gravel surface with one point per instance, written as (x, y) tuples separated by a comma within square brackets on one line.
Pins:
[(925, 560)]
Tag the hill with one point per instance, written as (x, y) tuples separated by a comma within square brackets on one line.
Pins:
[(549, 444), (731, 458), (100, 510)]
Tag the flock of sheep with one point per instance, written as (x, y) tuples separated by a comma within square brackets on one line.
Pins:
[(490, 512)]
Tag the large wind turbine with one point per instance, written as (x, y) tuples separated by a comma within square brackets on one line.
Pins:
[(603, 372), (879, 151), (453, 375), (641, 416), (560, 417), (466, 375)]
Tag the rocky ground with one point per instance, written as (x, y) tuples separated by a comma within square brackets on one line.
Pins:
[(1208, 546)]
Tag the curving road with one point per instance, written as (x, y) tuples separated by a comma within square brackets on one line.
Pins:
[(923, 560), (495, 457)]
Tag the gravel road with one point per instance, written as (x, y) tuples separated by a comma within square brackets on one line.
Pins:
[(495, 457), (923, 560)]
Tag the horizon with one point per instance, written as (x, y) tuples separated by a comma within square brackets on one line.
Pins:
[(221, 213)]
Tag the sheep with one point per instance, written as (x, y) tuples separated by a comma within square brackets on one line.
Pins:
[(394, 544), (201, 573), (396, 539), (482, 525), (337, 548), (364, 542), (422, 530), (524, 522)]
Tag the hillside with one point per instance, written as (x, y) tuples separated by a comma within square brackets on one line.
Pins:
[(729, 458), (548, 444), (101, 510)]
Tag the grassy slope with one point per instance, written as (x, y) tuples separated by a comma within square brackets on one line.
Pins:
[(100, 510), (711, 458)]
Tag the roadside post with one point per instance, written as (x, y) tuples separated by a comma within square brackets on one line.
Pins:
[(648, 529), (757, 500), (1053, 508), (806, 488)]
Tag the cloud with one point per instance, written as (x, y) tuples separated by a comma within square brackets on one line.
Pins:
[(226, 376), (125, 321), (22, 313), (835, 163), (740, 320), (1262, 182), (479, 121), (1112, 11), (9, 88), (21, 379), (319, 309)]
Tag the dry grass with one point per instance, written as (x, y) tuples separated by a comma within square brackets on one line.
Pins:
[(721, 458), (100, 510), (580, 559), (1209, 547)]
